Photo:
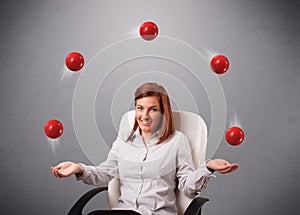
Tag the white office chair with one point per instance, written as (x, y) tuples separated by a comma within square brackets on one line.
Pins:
[(194, 127)]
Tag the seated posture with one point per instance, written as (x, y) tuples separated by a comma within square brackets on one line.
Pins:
[(150, 161)]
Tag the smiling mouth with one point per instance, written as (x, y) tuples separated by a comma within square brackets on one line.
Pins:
[(146, 123)]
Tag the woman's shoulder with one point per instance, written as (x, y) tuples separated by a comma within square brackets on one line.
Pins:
[(179, 137), (181, 141), (179, 134), (123, 136)]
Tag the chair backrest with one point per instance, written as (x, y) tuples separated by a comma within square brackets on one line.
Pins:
[(193, 126)]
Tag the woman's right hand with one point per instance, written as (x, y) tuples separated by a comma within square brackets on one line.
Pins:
[(66, 169)]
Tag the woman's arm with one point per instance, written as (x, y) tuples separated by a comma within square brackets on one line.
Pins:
[(192, 181), (99, 175)]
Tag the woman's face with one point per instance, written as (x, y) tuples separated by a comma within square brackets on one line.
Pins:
[(148, 114)]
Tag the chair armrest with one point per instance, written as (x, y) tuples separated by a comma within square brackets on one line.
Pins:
[(79, 205), (195, 206)]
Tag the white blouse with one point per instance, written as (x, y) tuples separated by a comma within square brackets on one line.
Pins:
[(149, 173)]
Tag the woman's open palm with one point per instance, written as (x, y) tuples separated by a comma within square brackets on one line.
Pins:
[(221, 165), (65, 169)]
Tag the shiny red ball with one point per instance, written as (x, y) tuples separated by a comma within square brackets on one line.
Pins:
[(148, 31), (74, 61), (53, 129), (219, 64), (235, 136)]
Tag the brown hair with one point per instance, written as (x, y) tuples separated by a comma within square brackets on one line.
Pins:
[(167, 125)]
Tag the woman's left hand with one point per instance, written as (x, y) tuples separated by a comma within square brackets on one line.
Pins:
[(221, 165)]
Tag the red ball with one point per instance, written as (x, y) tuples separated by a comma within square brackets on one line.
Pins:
[(74, 61), (53, 129), (235, 136), (148, 31), (219, 64)]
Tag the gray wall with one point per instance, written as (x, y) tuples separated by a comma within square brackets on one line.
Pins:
[(261, 39)]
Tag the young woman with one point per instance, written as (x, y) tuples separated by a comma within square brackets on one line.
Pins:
[(151, 161)]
